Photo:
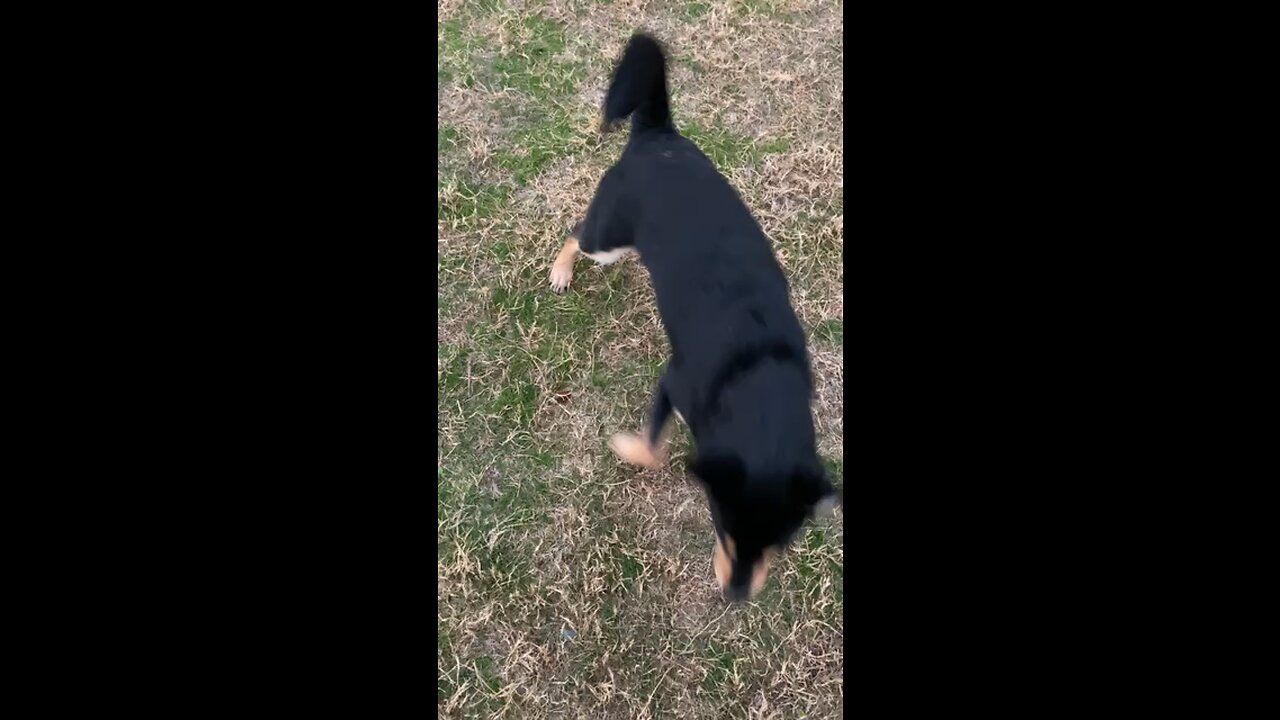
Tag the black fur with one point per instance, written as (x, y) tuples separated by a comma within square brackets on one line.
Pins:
[(739, 370), (639, 88)]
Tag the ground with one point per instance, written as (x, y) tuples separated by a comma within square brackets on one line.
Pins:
[(570, 585)]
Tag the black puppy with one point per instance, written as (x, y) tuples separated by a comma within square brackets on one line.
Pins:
[(739, 372)]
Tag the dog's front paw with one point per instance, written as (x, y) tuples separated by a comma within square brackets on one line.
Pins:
[(561, 275), (635, 450)]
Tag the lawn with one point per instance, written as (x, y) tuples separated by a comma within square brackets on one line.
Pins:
[(569, 585)]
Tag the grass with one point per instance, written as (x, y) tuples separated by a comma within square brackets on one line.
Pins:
[(569, 585)]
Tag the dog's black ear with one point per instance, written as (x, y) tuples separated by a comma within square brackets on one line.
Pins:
[(719, 473)]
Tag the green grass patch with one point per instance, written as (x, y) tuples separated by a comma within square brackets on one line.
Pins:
[(453, 52), (487, 672), (689, 62), (535, 66), (536, 145), (630, 568), (776, 9), (517, 401), (491, 495), (728, 150), (719, 663), (464, 200), (835, 471), (831, 331), (693, 10), (446, 139), (519, 306), (481, 6), (451, 38), (452, 376)]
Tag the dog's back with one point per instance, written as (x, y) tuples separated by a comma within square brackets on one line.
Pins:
[(721, 294)]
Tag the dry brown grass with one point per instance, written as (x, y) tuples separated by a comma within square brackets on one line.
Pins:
[(568, 585)]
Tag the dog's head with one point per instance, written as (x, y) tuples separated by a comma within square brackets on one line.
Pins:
[(757, 517)]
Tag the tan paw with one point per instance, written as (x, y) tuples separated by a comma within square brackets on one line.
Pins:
[(634, 449), (561, 275)]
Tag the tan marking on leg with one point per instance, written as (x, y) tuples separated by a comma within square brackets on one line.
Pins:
[(759, 572), (722, 561), (722, 564), (635, 449), (562, 267)]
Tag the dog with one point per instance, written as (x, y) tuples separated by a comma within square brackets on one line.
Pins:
[(738, 375)]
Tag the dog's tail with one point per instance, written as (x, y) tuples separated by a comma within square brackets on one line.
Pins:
[(639, 87)]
